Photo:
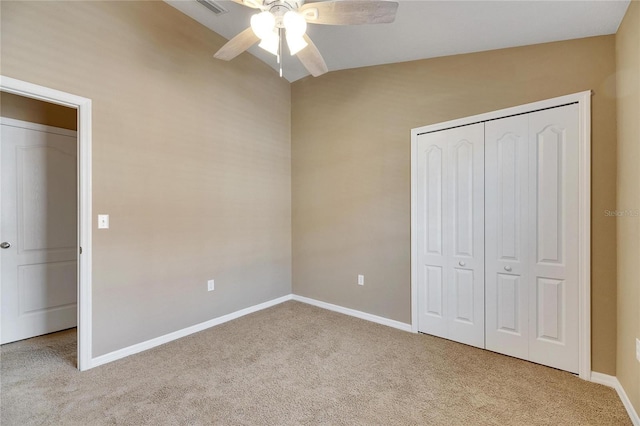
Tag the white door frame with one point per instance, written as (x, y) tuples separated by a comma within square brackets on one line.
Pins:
[(83, 106), (584, 222)]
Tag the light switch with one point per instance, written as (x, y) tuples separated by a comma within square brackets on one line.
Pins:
[(103, 221)]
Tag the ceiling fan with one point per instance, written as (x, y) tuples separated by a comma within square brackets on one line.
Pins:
[(291, 17)]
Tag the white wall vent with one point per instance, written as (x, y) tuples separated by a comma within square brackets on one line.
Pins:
[(213, 6)]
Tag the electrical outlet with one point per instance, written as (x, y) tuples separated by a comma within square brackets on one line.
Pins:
[(638, 349), (210, 285), (360, 279)]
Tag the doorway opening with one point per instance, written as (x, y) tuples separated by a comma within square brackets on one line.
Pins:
[(46, 218)]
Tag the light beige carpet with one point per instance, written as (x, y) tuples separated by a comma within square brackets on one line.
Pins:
[(296, 364)]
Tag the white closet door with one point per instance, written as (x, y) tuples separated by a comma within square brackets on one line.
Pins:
[(465, 269), (506, 244), (451, 234), (432, 212), (553, 245)]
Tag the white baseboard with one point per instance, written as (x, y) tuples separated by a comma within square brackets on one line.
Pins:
[(604, 379), (612, 382), (152, 343), (352, 312)]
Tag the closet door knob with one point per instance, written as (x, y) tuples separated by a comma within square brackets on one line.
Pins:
[(507, 268), (461, 263)]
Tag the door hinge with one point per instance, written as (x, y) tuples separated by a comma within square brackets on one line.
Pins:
[(80, 250)]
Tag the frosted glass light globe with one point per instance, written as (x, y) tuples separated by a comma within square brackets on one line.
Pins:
[(294, 23), (262, 24), (271, 43), (296, 44)]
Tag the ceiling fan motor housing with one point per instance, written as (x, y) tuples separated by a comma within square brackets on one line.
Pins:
[(279, 7)]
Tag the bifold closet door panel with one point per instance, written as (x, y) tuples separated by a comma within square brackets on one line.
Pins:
[(465, 270), (553, 254), (451, 234), (432, 214), (506, 236)]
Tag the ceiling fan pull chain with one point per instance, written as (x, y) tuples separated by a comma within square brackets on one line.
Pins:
[(280, 49), (279, 46)]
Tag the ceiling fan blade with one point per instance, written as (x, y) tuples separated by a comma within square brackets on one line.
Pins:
[(312, 59), (237, 45), (350, 12), (254, 4)]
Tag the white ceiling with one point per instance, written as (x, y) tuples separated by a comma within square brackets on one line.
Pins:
[(428, 29)]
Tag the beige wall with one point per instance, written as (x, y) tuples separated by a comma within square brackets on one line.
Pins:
[(628, 89), (223, 210), (191, 158), (351, 166), (35, 111)]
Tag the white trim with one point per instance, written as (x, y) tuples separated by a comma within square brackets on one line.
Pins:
[(613, 382), (352, 312), (152, 343), (83, 106), (11, 122), (414, 227), (584, 235), (501, 113), (584, 227), (604, 379)]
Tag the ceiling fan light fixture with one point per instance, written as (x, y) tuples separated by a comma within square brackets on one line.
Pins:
[(263, 24), (271, 43), (295, 43), (292, 17), (294, 23)]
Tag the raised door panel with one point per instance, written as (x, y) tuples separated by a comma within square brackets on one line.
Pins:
[(433, 200), (550, 143), (506, 218), (550, 313), (465, 271), (462, 197), (434, 291), (46, 287), (463, 285), (46, 198), (509, 312), (553, 258)]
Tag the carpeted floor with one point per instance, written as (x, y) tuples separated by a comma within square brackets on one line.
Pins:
[(295, 364)]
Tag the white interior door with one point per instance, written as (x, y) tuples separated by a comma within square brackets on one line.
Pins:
[(451, 234), (507, 235), (553, 245), (39, 209)]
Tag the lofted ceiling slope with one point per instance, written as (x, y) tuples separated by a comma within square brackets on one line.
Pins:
[(428, 29)]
